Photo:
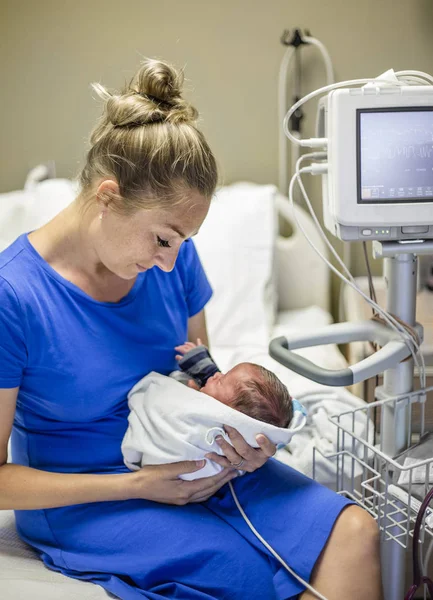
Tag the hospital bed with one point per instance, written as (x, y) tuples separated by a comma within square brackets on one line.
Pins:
[(267, 282)]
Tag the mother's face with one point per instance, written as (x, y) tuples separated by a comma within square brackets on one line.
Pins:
[(128, 245)]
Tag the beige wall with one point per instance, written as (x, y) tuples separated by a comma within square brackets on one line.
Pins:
[(53, 49)]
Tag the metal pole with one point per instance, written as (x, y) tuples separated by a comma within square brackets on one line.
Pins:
[(401, 278)]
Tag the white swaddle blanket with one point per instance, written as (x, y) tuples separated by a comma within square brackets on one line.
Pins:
[(170, 422)]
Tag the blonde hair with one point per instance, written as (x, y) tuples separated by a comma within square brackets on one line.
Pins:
[(146, 139)]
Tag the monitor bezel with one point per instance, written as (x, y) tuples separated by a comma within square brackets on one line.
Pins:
[(388, 202)]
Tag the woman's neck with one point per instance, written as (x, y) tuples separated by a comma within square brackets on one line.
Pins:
[(65, 243)]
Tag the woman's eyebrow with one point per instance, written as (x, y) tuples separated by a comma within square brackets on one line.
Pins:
[(179, 232)]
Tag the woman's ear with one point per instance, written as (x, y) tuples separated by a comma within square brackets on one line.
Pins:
[(106, 191)]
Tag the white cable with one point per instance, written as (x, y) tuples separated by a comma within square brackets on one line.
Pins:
[(325, 55), (425, 76), (388, 318), (408, 339), (400, 328), (412, 79), (283, 183), (313, 214), (322, 142), (265, 543)]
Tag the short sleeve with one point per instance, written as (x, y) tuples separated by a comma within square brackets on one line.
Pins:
[(13, 350), (197, 287)]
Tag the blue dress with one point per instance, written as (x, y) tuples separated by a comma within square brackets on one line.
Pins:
[(75, 359)]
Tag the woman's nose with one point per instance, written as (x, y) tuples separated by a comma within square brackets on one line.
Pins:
[(166, 259)]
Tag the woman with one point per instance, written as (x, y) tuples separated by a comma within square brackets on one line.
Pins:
[(92, 302)]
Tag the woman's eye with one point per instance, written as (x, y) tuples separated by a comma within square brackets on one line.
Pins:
[(162, 243)]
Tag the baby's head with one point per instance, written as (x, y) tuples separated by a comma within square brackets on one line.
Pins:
[(253, 390)]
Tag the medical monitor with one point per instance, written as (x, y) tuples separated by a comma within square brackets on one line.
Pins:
[(379, 183), (395, 155)]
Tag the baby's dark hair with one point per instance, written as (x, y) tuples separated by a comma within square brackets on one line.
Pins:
[(265, 398)]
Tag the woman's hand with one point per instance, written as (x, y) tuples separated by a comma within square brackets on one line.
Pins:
[(160, 483), (241, 455)]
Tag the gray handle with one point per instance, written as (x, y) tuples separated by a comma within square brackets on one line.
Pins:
[(393, 350), (278, 349)]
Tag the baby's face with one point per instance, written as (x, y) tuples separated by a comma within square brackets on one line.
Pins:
[(222, 386)]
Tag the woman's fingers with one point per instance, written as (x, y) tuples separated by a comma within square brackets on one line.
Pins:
[(240, 446), (220, 460), (240, 450), (185, 347), (181, 468), (266, 446)]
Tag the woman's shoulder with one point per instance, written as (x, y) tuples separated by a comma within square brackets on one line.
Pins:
[(17, 270), (11, 252)]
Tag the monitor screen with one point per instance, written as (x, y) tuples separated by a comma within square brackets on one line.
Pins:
[(395, 155)]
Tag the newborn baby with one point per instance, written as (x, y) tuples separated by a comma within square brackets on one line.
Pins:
[(248, 388), (170, 422)]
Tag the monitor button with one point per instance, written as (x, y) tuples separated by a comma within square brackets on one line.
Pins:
[(366, 232), (415, 229)]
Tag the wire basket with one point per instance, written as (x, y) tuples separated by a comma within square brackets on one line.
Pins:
[(391, 491)]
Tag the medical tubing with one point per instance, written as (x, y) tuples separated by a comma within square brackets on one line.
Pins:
[(317, 142), (313, 214), (265, 543), (411, 80), (418, 578), (282, 107), (427, 556), (322, 233), (409, 341), (399, 328), (390, 320), (325, 55), (315, 93), (282, 103), (418, 74)]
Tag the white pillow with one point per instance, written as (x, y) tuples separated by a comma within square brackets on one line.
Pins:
[(236, 246), (28, 209)]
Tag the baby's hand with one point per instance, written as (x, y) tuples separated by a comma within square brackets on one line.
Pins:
[(186, 347)]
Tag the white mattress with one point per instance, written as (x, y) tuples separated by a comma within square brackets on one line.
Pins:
[(23, 574)]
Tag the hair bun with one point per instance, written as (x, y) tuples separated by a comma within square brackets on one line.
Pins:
[(159, 81), (154, 95)]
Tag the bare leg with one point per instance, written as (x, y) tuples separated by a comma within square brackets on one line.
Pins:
[(349, 566)]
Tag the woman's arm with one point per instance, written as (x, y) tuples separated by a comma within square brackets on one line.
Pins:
[(25, 488), (197, 328)]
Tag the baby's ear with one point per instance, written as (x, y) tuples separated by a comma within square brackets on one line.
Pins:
[(193, 384)]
